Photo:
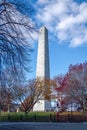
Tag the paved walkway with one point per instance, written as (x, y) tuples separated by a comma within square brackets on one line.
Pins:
[(42, 126)]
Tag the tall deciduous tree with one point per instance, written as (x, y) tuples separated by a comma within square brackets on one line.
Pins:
[(15, 33), (34, 91), (6, 92), (16, 28), (73, 87), (76, 84)]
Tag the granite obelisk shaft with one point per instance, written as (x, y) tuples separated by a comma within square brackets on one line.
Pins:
[(43, 55), (42, 70)]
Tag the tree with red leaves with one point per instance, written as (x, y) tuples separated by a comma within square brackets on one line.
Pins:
[(73, 86)]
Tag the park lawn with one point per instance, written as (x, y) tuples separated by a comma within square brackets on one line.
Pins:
[(42, 116), (22, 113), (31, 116), (74, 113)]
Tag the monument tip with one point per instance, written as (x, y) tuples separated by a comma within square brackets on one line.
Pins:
[(43, 28)]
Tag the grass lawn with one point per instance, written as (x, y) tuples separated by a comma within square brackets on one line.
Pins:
[(32, 116), (41, 116), (74, 113)]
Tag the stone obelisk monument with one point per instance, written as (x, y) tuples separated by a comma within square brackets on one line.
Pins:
[(42, 70)]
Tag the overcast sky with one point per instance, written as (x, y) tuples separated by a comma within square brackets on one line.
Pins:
[(66, 21)]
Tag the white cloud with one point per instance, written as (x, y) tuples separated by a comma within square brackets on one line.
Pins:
[(64, 18), (42, 1)]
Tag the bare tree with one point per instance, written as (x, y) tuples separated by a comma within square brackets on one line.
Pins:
[(15, 48), (6, 90), (15, 33), (35, 90)]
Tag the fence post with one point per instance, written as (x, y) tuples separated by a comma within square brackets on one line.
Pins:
[(54, 116), (50, 117), (57, 115), (35, 117), (9, 117), (69, 118), (21, 117)]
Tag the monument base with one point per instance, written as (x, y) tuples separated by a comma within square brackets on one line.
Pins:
[(42, 105)]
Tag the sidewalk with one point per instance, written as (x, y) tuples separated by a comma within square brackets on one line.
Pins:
[(42, 126)]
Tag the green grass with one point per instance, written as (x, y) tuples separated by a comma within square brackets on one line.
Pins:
[(32, 116), (74, 113), (40, 116)]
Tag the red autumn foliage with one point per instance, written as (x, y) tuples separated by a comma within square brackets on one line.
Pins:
[(73, 85)]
